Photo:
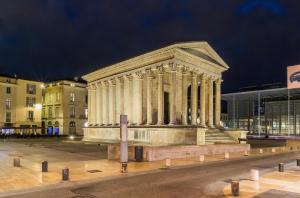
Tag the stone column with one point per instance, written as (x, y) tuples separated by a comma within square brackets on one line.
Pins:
[(194, 98), (202, 100), (218, 103), (93, 105), (184, 97), (173, 95), (89, 105), (112, 102), (210, 103), (160, 96), (119, 98), (127, 97), (138, 98), (105, 112), (99, 104), (149, 98)]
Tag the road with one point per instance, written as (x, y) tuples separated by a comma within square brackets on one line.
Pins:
[(198, 181)]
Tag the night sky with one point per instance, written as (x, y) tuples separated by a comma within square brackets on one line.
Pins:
[(53, 39)]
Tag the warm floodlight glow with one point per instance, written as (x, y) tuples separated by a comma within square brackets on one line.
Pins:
[(42, 86), (86, 124), (38, 106), (72, 137)]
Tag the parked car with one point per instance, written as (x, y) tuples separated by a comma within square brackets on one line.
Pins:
[(295, 77)]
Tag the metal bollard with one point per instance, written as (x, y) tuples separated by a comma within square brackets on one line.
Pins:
[(261, 151), (168, 163), (65, 174), (17, 162), (226, 155), (254, 175), (235, 188), (124, 167), (44, 166), (201, 158), (298, 162), (281, 167)]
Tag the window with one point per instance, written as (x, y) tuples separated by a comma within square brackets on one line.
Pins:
[(86, 99), (8, 90), (43, 112), (57, 97), (30, 115), (50, 112), (8, 104), (72, 112), (72, 97), (56, 112), (8, 117), (31, 89), (30, 101), (86, 112)]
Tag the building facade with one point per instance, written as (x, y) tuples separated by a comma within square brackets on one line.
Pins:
[(64, 109), (170, 95), (21, 104), (267, 111)]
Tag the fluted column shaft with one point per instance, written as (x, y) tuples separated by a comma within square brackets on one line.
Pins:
[(194, 99), (210, 103), (202, 100), (119, 99), (149, 99), (105, 112), (99, 104), (90, 105), (112, 102), (173, 98), (128, 98), (218, 103), (184, 98), (93, 105), (138, 99), (160, 98)]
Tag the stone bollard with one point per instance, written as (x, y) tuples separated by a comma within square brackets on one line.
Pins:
[(273, 150), (291, 148), (235, 188), (226, 155), (246, 153), (168, 163), (65, 174), (254, 175), (124, 168), (17, 162), (201, 158), (261, 151), (298, 162), (44, 166), (281, 167)]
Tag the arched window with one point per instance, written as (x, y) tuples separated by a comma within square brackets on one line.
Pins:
[(56, 124), (49, 123)]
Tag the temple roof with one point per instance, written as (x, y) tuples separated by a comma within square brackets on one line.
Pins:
[(201, 52)]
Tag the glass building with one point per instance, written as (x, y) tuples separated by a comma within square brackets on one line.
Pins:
[(264, 110)]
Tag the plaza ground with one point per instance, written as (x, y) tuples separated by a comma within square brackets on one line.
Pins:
[(91, 175)]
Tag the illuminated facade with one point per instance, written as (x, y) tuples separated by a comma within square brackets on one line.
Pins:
[(171, 96), (64, 109), (21, 104)]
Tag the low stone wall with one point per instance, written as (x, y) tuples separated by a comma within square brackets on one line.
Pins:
[(236, 134), (156, 153), (144, 135)]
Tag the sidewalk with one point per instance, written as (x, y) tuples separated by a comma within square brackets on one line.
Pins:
[(271, 184), (82, 168)]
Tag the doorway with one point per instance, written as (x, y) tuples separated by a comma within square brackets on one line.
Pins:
[(166, 108)]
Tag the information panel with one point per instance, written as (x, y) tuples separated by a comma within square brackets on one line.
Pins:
[(293, 77)]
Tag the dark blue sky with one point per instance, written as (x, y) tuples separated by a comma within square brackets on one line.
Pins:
[(50, 39)]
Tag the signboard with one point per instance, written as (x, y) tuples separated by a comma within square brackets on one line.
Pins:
[(123, 139), (293, 77)]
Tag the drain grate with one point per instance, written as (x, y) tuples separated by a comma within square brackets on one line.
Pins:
[(94, 171)]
